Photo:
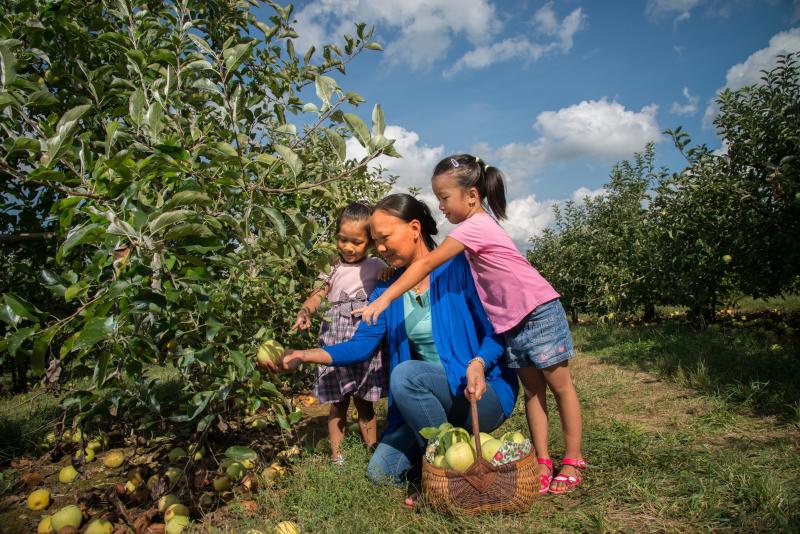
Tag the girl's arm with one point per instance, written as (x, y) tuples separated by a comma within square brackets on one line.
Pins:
[(414, 274), (310, 307)]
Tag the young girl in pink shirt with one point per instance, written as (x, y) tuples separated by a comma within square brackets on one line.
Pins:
[(520, 303)]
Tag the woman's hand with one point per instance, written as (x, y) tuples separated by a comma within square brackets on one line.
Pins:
[(371, 311), (476, 380), (287, 363)]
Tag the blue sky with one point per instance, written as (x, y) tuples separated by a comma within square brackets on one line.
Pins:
[(553, 93)]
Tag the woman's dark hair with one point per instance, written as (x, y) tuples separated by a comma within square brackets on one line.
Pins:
[(404, 206), (356, 212), (470, 171)]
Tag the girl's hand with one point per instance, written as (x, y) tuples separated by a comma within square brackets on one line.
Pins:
[(476, 380), (370, 312), (303, 320), (387, 273)]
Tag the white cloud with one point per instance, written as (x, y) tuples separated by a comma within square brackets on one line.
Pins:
[(596, 128), (414, 168), (680, 9), (580, 194), (685, 108), (527, 217), (424, 29), (749, 71), (560, 33)]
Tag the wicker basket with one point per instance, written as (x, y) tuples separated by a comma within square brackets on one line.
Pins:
[(483, 487)]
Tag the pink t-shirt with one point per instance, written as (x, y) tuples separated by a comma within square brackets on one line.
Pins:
[(509, 287), (346, 279)]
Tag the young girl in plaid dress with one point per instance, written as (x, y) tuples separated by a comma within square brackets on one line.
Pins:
[(347, 287)]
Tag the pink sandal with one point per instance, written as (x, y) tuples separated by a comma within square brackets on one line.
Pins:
[(572, 481), (544, 480)]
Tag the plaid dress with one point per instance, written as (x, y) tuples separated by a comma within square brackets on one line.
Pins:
[(366, 380)]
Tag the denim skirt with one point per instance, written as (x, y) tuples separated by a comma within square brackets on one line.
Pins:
[(542, 339)]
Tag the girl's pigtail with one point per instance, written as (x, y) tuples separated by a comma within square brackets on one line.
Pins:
[(495, 191)]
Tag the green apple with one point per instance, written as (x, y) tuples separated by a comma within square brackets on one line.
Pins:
[(67, 474), (460, 456), (39, 499), (287, 527), (236, 471), (175, 509), (99, 526), (516, 437), (166, 501), (69, 516), (176, 454), (113, 459), (87, 453), (439, 461), (489, 449), (177, 524), (222, 483), (269, 352), (45, 525)]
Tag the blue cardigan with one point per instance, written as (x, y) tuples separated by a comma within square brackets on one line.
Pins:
[(461, 331)]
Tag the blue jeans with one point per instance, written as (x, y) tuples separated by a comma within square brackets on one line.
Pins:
[(421, 393)]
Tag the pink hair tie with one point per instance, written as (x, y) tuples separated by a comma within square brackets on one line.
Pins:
[(454, 163)]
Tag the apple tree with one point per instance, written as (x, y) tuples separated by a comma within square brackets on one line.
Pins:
[(180, 163)]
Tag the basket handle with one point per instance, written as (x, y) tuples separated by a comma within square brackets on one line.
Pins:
[(476, 432)]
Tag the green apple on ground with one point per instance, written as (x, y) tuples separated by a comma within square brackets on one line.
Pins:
[(67, 474), (175, 509), (727, 258), (177, 524), (174, 474), (113, 459), (460, 456), (166, 501), (176, 454), (287, 527), (221, 484), (69, 516), (236, 471), (99, 526), (39, 499), (45, 525), (88, 454)]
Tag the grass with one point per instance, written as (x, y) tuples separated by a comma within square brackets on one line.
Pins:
[(670, 451), (25, 419)]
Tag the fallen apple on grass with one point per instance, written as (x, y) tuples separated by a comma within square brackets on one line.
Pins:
[(39, 499)]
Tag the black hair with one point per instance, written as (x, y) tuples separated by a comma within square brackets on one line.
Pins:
[(406, 207), (470, 171), (356, 212)]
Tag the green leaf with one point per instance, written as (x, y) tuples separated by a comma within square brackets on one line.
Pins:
[(291, 159), (242, 363), (63, 131), (276, 218), (188, 198), (374, 46), (40, 345), (53, 282), (15, 340), (378, 124), (20, 308), (358, 127), (154, 120), (78, 235), (238, 453), (8, 65), (324, 86), (429, 432), (235, 55), (204, 84), (136, 106), (189, 230), (337, 143), (95, 330), (170, 217)]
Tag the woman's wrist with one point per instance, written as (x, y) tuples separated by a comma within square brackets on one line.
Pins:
[(479, 360)]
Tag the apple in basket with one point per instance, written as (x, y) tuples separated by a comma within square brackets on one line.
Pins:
[(460, 456)]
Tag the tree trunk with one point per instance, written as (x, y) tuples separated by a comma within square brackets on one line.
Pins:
[(649, 312), (10, 239)]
